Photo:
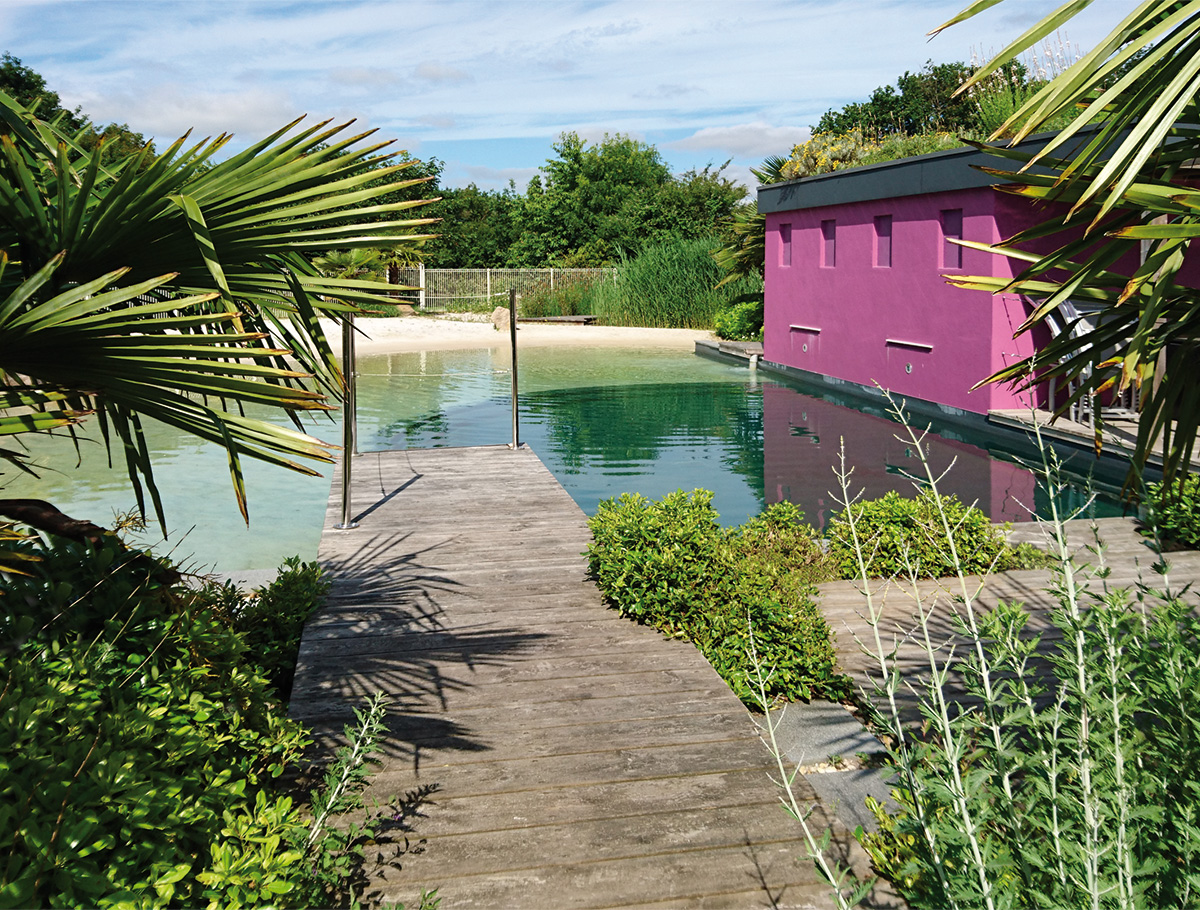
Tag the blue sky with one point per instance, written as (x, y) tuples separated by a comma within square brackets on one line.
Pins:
[(487, 86)]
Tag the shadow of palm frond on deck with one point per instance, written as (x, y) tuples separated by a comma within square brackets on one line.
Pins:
[(383, 629)]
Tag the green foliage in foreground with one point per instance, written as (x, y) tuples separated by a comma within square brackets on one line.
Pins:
[(146, 748), (668, 564), (1176, 510), (898, 536), (1057, 791)]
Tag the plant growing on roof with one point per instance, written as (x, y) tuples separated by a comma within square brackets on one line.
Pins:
[(218, 302)]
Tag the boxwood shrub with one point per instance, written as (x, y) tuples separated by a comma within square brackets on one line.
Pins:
[(898, 532), (670, 565)]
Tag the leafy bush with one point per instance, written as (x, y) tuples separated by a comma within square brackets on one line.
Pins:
[(825, 153), (271, 620), (743, 321), (1176, 510), (1051, 767), (1091, 798), (897, 532), (147, 750), (668, 564)]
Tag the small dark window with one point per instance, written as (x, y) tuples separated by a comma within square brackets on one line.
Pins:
[(785, 244), (952, 229), (828, 244), (883, 241)]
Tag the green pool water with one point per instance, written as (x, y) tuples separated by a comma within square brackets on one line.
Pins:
[(605, 421)]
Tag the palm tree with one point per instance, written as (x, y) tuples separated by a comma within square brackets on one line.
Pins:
[(179, 288), (742, 252), (1120, 175)]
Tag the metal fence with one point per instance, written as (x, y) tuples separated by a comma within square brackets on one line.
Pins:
[(440, 290)]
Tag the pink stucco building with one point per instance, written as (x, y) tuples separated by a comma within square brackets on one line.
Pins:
[(855, 292)]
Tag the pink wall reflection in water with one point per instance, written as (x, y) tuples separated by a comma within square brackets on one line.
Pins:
[(801, 437)]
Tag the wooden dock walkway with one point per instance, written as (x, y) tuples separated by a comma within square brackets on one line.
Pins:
[(580, 760), (1125, 554)]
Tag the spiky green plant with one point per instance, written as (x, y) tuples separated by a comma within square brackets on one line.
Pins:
[(219, 302), (1116, 172)]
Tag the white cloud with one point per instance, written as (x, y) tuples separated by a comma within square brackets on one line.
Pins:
[(168, 111), (732, 78), (495, 177), (744, 140), (437, 121), (665, 91), (442, 75)]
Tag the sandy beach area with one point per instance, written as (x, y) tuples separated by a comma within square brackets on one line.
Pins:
[(445, 333)]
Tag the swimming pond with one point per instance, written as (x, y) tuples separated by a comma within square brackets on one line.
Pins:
[(604, 421)]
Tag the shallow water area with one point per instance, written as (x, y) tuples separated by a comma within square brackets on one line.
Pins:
[(605, 421)]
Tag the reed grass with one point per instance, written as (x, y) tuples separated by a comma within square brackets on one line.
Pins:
[(668, 286)]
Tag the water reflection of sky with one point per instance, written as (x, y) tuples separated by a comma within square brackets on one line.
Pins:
[(605, 421)]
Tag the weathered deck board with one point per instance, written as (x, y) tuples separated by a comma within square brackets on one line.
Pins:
[(1124, 553), (582, 760)]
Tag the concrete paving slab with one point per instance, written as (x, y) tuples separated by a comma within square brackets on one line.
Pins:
[(809, 734), (818, 735)]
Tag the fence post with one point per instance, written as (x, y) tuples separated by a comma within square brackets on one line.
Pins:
[(552, 279), (489, 285), (512, 331), (421, 282), (349, 423)]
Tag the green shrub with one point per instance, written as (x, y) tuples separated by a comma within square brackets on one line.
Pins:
[(668, 564), (271, 620), (146, 748), (897, 533), (1091, 798), (1176, 510), (743, 321), (138, 733), (1048, 763)]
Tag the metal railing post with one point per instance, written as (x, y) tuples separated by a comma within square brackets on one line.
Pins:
[(512, 331), (349, 422)]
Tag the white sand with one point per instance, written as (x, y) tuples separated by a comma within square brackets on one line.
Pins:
[(442, 333)]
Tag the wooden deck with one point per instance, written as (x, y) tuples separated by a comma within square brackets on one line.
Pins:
[(1124, 552), (580, 760)]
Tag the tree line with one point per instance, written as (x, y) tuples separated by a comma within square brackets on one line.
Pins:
[(591, 204)]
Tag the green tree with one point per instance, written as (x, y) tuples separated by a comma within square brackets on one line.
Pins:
[(29, 89), (585, 210), (689, 206), (170, 287), (920, 102), (477, 228), (1119, 176)]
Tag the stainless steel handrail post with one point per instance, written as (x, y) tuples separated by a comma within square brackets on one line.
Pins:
[(349, 421), (512, 331)]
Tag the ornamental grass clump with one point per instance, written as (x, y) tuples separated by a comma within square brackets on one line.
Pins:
[(670, 565), (1052, 764)]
